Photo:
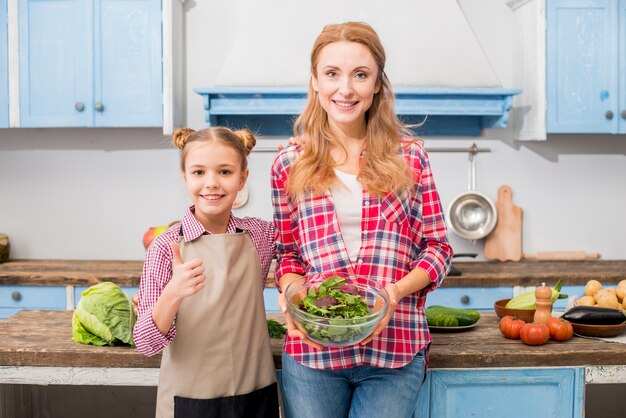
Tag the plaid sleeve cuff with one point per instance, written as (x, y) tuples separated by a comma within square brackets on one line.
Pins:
[(148, 338), (285, 267)]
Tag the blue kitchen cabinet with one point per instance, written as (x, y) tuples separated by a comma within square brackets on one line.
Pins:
[(90, 63), (17, 298), (586, 66), (479, 298), (487, 393), (4, 66)]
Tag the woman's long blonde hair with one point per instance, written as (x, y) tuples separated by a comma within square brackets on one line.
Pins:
[(383, 169)]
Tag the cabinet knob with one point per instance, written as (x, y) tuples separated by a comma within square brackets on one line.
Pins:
[(99, 107), (609, 115), (623, 114), (79, 106), (465, 299), (16, 296)]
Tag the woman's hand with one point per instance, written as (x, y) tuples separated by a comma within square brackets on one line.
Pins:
[(392, 291), (187, 278), (291, 141), (293, 330)]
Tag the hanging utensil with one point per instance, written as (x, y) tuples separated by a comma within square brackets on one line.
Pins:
[(472, 215)]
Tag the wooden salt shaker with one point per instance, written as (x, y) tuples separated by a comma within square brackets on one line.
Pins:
[(543, 302)]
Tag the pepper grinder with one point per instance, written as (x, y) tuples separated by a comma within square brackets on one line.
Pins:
[(543, 302)]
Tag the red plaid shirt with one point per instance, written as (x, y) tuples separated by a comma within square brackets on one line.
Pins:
[(157, 271), (397, 235)]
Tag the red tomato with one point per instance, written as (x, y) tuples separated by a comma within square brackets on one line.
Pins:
[(560, 329), (534, 334), (510, 327)]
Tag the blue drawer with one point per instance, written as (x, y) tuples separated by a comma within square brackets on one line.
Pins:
[(32, 297), (78, 292), (7, 312), (479, 298)]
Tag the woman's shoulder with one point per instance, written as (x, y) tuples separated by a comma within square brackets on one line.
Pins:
[(413, 148), (286, 157)]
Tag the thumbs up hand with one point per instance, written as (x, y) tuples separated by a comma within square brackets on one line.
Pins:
[(187, 278)]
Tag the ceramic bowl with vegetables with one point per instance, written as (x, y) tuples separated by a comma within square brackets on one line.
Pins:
[(334, 313)]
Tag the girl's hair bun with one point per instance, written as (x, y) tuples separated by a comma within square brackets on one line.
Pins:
[(180, 137), (247, 137)]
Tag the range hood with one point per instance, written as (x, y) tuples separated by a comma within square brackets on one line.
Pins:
[(449, 111)]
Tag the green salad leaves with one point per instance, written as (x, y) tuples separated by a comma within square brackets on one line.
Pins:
[(344, 309)]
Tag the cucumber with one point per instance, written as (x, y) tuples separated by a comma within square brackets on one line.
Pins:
[(440, 319), (462, 317)]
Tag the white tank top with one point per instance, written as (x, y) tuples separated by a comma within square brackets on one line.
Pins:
[(348, 199)]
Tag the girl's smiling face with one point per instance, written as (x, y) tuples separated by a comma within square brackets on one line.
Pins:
[(346, 79), (213, 176)]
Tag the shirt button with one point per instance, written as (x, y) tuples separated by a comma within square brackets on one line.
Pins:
[(359, 261), (367, 203)]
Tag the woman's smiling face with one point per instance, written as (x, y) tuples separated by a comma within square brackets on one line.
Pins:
[(346, 79)]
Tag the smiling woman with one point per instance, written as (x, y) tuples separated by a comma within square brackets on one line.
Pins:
[(355, 198)]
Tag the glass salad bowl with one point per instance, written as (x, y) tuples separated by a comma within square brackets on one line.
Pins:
[(333, 313)]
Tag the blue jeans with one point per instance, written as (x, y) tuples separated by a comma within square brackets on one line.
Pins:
[(358, 392)]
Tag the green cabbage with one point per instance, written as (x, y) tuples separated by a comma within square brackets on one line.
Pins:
[(104, 316)]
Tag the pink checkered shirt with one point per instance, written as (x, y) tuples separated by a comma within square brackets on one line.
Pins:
[(157, 271), (397, 235)]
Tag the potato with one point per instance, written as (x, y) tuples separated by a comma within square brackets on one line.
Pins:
[(612, 290), (621, 290), (600, 293), (586, 301), (607, 300), (592, 287)]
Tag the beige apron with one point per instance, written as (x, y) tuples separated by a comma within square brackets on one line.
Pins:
[(222, 347)]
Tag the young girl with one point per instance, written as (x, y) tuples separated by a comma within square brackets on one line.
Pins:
[(201, 294), (358, 200)]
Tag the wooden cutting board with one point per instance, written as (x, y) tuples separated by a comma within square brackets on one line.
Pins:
[(505, 241)]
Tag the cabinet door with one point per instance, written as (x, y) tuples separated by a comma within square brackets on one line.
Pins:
[(56, 71), (4, 70), (128, 63), (582, 66), (479, 298), (622, 67), (555, 392)]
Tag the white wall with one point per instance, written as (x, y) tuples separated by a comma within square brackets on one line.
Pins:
[(91, 193)]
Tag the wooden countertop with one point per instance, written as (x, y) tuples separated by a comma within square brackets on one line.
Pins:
[(43, 338), (474, 274)]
